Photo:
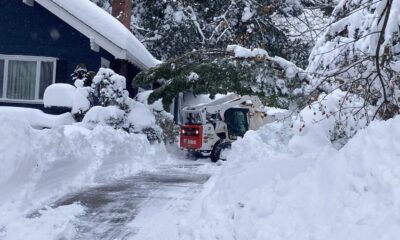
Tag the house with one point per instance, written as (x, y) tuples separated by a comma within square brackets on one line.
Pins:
[(42, 41)]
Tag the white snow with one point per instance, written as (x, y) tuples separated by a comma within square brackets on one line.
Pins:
[(51, 224), (66, 95), (291, 70), (140, 116), (39, 166), (247, 14), (102, 22), (193, 77), (117, 81), (142, 97), (59, 95), (277, 185), (99, 115), (79, 83), (36, 118), (80, 102), (242, 52)]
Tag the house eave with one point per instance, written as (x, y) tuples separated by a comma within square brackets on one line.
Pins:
[(91, 34), (131, 58)]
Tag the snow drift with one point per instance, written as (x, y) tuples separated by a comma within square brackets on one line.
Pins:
[(36, 118), (276, 185), (40, 165)]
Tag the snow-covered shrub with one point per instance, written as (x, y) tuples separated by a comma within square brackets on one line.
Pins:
[(106, 116), (358, 54), (81, 77), (337, 114), (106, 102), (162, 118), (82, 102), (109, 89)]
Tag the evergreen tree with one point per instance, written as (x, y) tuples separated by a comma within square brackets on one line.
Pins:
[(170, 28), (275, 80)]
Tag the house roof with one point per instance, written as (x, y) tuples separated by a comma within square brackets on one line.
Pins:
[(102, 29)]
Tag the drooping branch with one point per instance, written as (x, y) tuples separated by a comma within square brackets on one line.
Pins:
[(378, 47)]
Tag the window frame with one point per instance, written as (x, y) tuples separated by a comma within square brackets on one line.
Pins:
[(38, 60)]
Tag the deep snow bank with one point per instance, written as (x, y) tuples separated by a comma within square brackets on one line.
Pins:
[(39, 165), (36, 118), (273, 188)]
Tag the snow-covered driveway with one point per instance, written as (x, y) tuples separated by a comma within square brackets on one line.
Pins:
[(110, 209)]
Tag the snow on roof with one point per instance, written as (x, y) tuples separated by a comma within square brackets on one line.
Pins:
[(102, 29)]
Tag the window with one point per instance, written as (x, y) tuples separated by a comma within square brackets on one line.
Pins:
[(25, 78), (236, 120)]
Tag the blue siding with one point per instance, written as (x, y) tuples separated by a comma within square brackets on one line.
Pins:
[(35, 31)]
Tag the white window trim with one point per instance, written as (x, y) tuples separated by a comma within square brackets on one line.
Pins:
[(38, 60)]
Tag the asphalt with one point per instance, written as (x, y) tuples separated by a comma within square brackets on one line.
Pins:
[(109, 208)]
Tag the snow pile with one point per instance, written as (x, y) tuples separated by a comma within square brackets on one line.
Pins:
[(59, 95), (68, 96), (141, 116), (36, 118), (52, 224), (104, 116), (311, 191), (276, 186), (39, 166)]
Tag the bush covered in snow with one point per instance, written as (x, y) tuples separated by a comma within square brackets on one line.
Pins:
[(163, 119), (356, 64), (112, 106), (109, 89), (104, 102)]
